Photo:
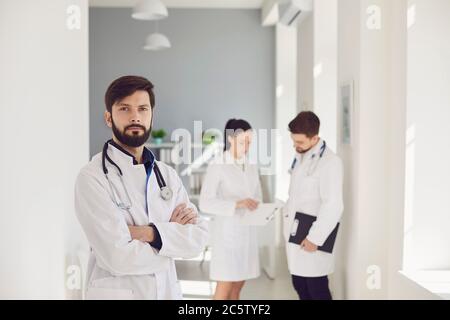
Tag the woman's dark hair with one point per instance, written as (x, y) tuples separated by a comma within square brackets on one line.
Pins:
[(126, 86), (231, 127)]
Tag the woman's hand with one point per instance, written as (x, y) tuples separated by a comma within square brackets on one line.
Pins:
[(248, 203)]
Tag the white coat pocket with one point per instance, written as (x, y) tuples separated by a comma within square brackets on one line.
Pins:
[(109, 294)]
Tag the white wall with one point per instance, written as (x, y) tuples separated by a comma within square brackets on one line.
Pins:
[(211, 64), (44, 139), (375, 59), (371, 128), (348, 70), (428, 115)]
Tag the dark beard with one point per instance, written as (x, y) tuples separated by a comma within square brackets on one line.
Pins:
[(303, 151), (133, 141)]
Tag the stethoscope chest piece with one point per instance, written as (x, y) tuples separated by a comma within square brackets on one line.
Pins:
[(166, 193)]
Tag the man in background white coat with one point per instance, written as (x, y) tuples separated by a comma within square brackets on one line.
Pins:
[(315, 190)]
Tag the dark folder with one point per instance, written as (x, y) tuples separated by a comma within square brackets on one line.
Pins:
[(304, 223)]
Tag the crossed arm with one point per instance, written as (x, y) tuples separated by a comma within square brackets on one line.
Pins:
[(181, 214)]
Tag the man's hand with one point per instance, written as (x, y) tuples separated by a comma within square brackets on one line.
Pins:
[(142, 233), (183, 215), (249, 204), (308, 246)]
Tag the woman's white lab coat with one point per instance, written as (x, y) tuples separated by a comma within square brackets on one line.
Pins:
[(120, 267), (234, 246), (315, 189)]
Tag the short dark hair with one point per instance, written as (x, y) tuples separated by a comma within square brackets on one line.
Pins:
[(231, 127), (126, 86), (306, 123)]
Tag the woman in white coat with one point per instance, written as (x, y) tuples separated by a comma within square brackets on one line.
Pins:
[(231, 187)]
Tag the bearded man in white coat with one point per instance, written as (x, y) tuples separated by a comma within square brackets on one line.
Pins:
[(315, 191), (134, 209)]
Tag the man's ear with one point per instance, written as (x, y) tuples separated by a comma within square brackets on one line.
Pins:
[(315, 139), (108, 118)]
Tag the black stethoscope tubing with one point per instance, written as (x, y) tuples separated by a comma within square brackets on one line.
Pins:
[(161, 182)]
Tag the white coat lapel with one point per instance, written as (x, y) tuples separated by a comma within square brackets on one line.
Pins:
[(156, 205)]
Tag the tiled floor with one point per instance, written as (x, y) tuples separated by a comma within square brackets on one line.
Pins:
[(195, 283)]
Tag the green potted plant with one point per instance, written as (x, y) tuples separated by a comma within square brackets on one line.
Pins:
[(158, 135), (209, 137)]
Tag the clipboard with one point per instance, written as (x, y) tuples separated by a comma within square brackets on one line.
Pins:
[(300, 229), (261, 216)]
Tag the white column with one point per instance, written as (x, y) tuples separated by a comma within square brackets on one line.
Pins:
[(306, 64), (325, 68), (44, 139), (285, 111), (286, 101)]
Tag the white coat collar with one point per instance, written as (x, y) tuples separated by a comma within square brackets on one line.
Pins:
[(122, 156), (229, 159), (119, 155)]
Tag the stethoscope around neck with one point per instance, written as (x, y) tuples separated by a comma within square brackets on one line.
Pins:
[(309, 172), (165, 192)]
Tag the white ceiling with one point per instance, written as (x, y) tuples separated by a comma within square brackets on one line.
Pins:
[(248, 4)]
